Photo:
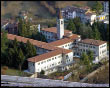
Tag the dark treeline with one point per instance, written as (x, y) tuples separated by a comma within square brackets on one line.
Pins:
[(15, 54), (25, 31), (97, 31)]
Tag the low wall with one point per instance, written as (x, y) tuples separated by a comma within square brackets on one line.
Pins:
[(17, 81)]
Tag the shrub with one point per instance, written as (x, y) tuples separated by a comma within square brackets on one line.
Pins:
[(42, 72), (5, 68), (3, 72)]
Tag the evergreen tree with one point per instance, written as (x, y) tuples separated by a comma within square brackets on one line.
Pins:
[(96, 33), (86, 60), (42, 72), (97, 6), (77, 23), (10, 58), (30, 52), (90, 55), (15, 43), (71, 26), (82, 56), (4, 46), (20, 58)]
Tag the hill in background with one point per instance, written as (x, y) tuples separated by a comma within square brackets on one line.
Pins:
[(43, 9)]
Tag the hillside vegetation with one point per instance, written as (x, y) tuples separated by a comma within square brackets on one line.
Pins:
[(12, 8)]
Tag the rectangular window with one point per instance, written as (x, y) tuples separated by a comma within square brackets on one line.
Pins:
[(67, 56)]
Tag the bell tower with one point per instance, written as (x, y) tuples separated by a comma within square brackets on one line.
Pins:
[(60, 26)]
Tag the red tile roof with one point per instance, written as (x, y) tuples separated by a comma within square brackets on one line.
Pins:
[(48, 55), (54, 50), (24, 40), (45, 56), (93, 42), (60, 42), (54, 30)]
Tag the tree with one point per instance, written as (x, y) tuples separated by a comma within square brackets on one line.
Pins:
[(97, 6), (24, 28), (77, 23), (10, 58), (39, 36), (96, 33), (15, 43), (90, 55), (42, 72), (71, 26), (85, 60), (31, 50), (85, 31), (4, 42), (20, 58), (4, 46), (82, 57)]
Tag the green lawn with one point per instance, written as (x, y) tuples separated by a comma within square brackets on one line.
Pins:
[(14, 72)]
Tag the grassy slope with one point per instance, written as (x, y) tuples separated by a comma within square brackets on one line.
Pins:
[(14, 7), (14, 72), (101, 77)]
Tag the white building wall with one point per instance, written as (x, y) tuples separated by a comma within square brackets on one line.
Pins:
[(85, 47), (50, 36), (67, 45), (69, 58), (93, 17), (48, 63), (103, 50), (98, 51)]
